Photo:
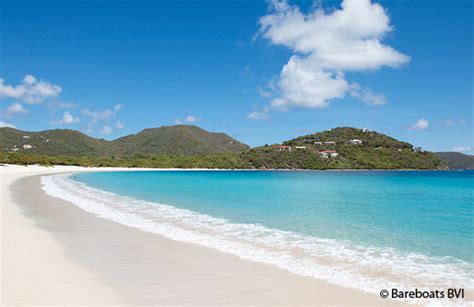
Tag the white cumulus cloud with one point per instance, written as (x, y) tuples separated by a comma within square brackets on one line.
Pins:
[(258, 115), (106, 115), (67, 119), (368, 96), (325, 46), (14, 109), (190, 119), (30, 90), (420, 125), (118, 107), (263, 93), (106, 130)]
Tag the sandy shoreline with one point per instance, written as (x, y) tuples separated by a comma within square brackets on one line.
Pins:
[(56, 253)]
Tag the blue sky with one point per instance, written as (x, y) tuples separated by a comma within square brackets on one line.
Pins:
[(111, 68)]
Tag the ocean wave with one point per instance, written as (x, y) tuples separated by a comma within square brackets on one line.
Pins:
[(344, 263)]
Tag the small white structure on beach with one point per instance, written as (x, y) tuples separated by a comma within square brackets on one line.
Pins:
[(355, 142), (27, 146)]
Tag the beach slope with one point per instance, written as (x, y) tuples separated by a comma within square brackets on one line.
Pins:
[(55, 253)]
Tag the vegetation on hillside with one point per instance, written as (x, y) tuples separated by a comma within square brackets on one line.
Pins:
[(341, 135), (172, 140), (176, 140), (58, 142), (376, 151), (348, 158), (456, 160), (223, 161)]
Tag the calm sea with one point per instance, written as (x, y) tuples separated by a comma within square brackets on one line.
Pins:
[(368, 230)]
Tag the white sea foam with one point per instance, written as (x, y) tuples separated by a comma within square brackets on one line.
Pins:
[(339, 262)]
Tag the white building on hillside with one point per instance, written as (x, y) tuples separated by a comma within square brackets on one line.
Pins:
[(282, 148), (328, 153), (355, 142)]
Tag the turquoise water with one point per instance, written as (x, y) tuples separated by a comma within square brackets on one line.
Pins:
[(359, 229), (427, 212)]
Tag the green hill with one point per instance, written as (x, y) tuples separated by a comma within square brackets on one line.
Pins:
[(368, 150), (190, 146), (173, 140), (456, 160), (58, 142), (177, 140)]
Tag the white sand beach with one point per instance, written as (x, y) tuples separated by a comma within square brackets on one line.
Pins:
[(52, 252)]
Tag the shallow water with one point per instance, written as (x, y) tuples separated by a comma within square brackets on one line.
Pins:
[(367, 230)]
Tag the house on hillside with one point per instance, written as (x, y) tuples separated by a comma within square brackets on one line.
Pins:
[(328, 153), (418, 149), (355, 142), (282, 148), (330, 143), (27, 146), (300, 147), (318, 143), (365, 130), (26, 136)]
